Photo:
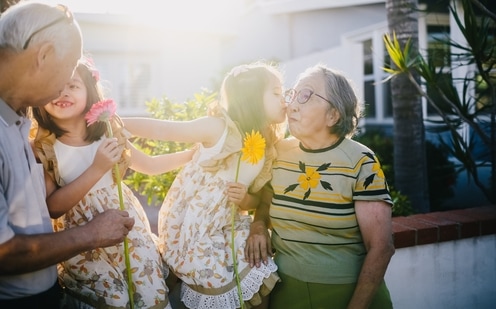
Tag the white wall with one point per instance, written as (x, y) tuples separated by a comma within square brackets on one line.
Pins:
[(263, 35), (257, 37), (319, 30), (457, 274), (333, 58), (180, 63)]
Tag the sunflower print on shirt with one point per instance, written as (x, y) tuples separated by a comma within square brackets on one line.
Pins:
[(375, 168), (310, 177)]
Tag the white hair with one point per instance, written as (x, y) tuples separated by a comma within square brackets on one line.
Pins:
[(21, 20)]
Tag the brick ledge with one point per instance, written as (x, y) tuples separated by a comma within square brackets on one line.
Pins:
[(433, 227)]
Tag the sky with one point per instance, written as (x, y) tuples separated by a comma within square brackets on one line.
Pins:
[(181, 11), (142, 6), (97, 6)]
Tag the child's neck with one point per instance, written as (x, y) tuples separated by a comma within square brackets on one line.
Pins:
[(75, 133), (73, 139)]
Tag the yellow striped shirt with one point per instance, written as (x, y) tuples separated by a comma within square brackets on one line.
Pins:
[(315, 230)]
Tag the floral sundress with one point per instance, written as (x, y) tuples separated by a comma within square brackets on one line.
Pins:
[(195, 228), (98, 277)]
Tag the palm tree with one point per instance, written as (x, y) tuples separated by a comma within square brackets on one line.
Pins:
[(410, 164), (474, 106)]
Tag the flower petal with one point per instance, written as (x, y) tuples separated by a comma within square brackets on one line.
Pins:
[(101, 111), (253, 147)]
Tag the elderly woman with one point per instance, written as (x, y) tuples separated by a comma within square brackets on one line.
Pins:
[(330, 208)]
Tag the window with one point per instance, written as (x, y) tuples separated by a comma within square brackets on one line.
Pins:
[(377, 96), (133, 90), (369, 88), (128, 79), (438, 53), (484, 98)]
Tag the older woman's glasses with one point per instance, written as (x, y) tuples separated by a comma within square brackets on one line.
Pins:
[(301, 96), (67, 16)]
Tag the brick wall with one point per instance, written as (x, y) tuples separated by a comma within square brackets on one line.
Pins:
[(444, 260), (436, 227)]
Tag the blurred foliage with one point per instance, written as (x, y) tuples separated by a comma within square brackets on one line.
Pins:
[(465, 106), (440, 170), (401, 204), (155, 188)]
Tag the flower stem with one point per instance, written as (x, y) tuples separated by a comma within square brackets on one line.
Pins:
[(233, 249), (126, 244)]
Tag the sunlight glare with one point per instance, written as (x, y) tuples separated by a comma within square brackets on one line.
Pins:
[(168, 14)]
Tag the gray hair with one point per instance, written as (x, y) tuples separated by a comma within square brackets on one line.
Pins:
[(340, 91), (21, 20)]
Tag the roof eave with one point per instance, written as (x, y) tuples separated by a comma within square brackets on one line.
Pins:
[(293, 6)]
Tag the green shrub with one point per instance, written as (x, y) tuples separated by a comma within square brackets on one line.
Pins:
[(155, 188), (401, 204)]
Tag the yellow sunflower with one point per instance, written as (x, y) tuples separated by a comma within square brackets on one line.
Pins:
[(253, 147), (252, 152), (310, 179), (377, 169)]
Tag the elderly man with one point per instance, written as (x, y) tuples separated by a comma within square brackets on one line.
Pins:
[(39, 49)]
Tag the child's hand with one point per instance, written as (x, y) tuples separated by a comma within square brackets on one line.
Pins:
[(236, 192), (107, 154)]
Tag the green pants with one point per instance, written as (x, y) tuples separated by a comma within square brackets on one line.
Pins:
[(295, 294)]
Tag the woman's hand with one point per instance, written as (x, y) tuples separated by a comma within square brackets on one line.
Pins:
[(258, 247)]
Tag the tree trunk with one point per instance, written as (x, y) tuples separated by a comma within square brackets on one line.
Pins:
[(410, 164)]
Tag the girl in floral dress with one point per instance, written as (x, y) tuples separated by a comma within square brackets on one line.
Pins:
[(78, 161), (196, 218)]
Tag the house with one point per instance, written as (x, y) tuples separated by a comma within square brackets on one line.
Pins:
[(178, 51), (348, 36), (142, 59)]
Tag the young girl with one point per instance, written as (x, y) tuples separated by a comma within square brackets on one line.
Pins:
[(195, 218), (78, 163)]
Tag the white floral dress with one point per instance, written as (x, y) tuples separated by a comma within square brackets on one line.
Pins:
[(98, 278), (195, 229)]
